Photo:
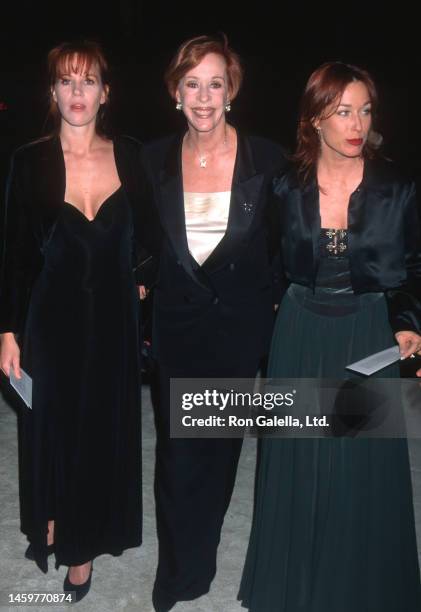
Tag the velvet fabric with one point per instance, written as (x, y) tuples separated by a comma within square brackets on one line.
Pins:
[(384, 240), (213, 320), (34, 197), (69, 290)]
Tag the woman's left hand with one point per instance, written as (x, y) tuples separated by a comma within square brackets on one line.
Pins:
[(409, 344)]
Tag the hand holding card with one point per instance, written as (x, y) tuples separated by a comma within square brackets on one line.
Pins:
[(373, 363), (22, 386)]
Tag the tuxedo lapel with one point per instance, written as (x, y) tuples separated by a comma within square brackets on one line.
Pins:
[(172, 207), (245, 196)]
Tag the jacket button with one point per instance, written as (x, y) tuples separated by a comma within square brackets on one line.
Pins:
[(232, 267), (178, 262), (215, 300)]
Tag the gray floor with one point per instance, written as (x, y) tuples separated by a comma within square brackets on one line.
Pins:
[(125, 583)]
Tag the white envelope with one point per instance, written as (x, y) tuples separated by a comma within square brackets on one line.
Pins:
[(22, 386), (373, 363)]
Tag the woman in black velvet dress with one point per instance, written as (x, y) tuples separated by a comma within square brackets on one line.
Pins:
[(333, 527), (75, 225)]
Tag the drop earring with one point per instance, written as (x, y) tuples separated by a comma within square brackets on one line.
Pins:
[(178, 106), (228, 106)]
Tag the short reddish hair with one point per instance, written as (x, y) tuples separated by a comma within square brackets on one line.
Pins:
[(75, 57), (191, 53), (323, 90)]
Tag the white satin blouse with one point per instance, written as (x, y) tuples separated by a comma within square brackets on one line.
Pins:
[(206, 221)]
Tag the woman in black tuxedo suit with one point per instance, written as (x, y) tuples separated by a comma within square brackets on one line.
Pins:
[(213, 304)]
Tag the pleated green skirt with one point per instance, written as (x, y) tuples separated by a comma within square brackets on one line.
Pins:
[(333, 527)]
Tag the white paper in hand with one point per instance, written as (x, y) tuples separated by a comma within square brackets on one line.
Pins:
[(22, 386), (373, 363)]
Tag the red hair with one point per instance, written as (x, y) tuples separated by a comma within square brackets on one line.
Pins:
[(191, 53), (76, 57), (321, 97)]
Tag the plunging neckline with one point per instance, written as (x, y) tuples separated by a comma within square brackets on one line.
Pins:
[(104, 202)]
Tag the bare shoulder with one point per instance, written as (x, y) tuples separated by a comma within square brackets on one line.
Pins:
[(103, 149)]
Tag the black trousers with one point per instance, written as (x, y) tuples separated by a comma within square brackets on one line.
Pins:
[(194, 480)]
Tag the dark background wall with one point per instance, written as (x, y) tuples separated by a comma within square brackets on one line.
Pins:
[(280, 42)]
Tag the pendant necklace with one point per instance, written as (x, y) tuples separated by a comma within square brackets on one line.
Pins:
[(202, 161), (203, 158)]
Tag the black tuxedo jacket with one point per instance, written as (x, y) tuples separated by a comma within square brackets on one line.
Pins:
[(384, 237), (35, 194), (216, 318)]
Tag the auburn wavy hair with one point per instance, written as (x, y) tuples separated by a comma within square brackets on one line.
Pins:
[(191, 53), (320, 100), (76, 57)]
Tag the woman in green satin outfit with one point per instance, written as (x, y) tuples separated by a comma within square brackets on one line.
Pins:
[(333, 527)]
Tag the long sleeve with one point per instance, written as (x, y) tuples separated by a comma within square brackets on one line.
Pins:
[(273, 220), (148, 232), (19, 254), (404, 302)]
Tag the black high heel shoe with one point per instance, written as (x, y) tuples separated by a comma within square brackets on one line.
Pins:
[(29, 552), (161, 601), (80, 590)]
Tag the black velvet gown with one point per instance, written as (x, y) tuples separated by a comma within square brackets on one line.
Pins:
[(81, 443)]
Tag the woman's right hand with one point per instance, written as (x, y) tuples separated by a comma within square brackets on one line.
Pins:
[(143, 292), (9, 354)]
